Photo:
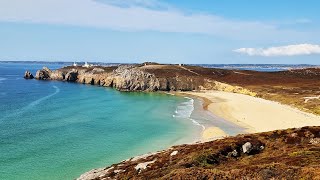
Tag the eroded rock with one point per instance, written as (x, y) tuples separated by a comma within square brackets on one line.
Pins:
[(71, 76), (28, 75), (43, 74)]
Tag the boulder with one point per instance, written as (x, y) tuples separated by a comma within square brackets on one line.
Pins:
[(247, 147), (234, 153), (28, 75)]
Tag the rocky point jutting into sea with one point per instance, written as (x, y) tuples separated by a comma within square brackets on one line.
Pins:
[(297, 87), (153, 77)]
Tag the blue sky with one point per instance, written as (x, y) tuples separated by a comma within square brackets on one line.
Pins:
[(167, 31)]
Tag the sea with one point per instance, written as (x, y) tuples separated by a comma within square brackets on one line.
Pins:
[(58, 130)]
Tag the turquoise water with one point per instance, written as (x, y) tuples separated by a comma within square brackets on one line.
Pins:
[(57, 130)]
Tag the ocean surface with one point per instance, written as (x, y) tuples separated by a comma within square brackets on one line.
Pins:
[(260, 67), (59, 130)]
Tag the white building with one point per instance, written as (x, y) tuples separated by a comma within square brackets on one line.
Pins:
[(86, 65)]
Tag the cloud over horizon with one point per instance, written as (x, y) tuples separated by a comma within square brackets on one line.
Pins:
[(290, 50), (137, 15)]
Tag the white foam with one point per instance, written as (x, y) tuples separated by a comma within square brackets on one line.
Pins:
[(184, 110), (197, 123)]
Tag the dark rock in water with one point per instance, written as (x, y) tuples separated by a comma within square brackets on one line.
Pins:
[(28, 75), (43, 74)]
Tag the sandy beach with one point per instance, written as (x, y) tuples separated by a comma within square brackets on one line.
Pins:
[(254, 114)]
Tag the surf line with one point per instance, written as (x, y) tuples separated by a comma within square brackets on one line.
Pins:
[(185, 110), (32, 104)]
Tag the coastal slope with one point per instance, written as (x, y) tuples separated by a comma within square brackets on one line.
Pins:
[(282, 154)]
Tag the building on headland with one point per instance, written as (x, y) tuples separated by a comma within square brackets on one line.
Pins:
[(86, 65)]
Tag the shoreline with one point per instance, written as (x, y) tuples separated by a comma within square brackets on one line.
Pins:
[(252, 113), (213, 128)]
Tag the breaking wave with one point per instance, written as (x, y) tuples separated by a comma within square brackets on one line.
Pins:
[(185, 109)]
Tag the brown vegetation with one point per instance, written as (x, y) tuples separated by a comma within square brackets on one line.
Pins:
[(290, 87), (282, 154)]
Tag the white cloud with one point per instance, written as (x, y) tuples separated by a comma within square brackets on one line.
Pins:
[(136, 15), (152, 4), (290, 50)]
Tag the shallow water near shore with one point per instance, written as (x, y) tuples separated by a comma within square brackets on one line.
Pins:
[(57, 130)]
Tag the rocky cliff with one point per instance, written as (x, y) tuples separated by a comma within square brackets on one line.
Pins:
[(298, 88), (139, 78)]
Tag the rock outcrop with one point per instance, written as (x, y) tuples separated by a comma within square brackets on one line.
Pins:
[(128, 78), (43, 74), (28, 75), (125, 78), (71, 76), (147, 77)]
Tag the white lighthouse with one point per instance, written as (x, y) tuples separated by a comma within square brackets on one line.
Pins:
[(86, 65)]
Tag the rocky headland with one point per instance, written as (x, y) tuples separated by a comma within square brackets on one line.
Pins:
[(139, 77), (299, 88)]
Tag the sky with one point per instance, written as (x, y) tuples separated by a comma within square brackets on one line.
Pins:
[(165, 31)]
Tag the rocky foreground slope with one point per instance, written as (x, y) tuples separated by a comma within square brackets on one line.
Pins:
[(283, 154), (299, 88)]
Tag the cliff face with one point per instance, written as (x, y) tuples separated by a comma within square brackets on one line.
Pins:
[(298, 88), (129, 78), (283, 154)]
